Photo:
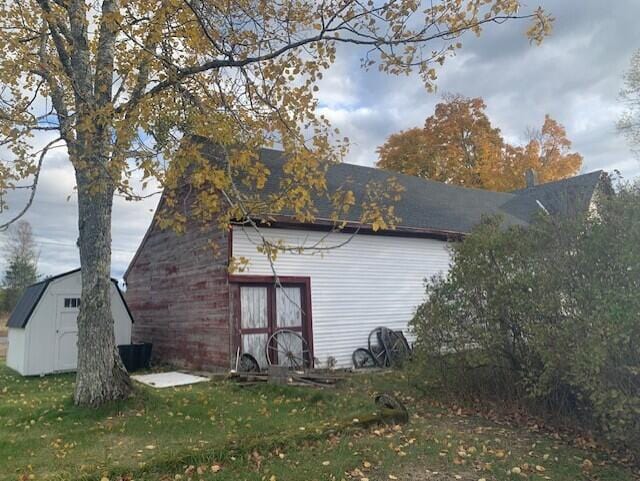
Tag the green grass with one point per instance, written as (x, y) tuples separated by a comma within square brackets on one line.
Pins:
[(265, 433)]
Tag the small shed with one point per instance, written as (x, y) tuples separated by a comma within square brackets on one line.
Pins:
[(43, 329)]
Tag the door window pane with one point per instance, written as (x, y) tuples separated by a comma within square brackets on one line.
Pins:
[(253, 304), (288, 307), (254, 344)]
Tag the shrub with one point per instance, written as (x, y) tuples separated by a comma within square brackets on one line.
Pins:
[(548, 314)]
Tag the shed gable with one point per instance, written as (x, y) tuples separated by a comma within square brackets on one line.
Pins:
[(32, 295)]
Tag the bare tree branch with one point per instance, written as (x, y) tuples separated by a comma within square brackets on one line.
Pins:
[(33, 186)]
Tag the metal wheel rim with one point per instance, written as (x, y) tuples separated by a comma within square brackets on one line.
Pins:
[(363, 358), (283, 351), (395, 346), (248, 363), (377, 347)]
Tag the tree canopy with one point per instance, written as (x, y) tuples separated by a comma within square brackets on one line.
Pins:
[(459, 145)]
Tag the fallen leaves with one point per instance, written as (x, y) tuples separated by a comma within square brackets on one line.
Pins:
[(500, 454), (587, 465), (433, 439)]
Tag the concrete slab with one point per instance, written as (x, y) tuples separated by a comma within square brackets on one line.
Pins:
[(168, 379)]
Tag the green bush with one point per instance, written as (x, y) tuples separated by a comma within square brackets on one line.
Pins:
[(548, 314)]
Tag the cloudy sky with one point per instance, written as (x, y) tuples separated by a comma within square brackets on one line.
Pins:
[(575, 76)]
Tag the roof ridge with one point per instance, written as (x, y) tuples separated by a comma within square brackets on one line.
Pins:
[(55, 277), (559, 181), (413, 178), (48, 279)]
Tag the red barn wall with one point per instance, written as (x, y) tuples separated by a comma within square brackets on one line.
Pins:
[(178, 292)]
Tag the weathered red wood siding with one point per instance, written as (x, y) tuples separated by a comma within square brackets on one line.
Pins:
[(178, 292)]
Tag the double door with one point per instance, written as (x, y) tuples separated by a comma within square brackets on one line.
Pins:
[(264, 310)]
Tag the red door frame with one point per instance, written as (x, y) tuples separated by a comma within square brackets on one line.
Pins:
[(270, 281)]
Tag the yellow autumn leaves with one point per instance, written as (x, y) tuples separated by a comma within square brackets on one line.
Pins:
[(123, 93), (459, 145)]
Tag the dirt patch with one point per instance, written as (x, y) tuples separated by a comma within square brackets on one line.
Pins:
[(3, 324), (4, 343)]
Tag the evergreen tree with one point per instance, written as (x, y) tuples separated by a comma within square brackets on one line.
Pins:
[(22, 265)]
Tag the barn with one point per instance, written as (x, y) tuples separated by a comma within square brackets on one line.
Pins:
[(43, 331), (199, 315)]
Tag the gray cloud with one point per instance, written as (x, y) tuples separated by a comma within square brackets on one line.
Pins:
[(54, 219), (575, 76)]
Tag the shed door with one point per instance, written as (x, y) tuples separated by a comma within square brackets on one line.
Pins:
[(66, 348)]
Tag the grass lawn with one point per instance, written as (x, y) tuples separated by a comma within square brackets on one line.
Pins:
[(220, 431)]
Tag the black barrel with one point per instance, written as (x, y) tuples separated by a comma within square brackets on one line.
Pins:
[(129, 356)]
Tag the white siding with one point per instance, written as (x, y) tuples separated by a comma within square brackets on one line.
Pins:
[(373, 280), (16, 351), (121, 318), (40, 337)]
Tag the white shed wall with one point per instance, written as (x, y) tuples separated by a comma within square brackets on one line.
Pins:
[(39, 338), (16, 351), (374, 280)]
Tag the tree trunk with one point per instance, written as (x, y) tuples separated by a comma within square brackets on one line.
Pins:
[(101, 376)]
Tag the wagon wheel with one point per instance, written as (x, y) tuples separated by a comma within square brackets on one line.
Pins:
[(248, 363), (396, 346), (287, 348), (406, 346), (389, 401), (377, 347), (363, 358)]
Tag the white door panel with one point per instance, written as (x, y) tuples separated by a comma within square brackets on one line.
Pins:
[(66, 348)]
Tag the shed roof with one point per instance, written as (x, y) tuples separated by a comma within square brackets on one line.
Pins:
[(32, 295), (27, 303)]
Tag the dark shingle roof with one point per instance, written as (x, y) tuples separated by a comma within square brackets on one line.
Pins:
[(27, 303), (569, 197), (32, 295), (427, 204)]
